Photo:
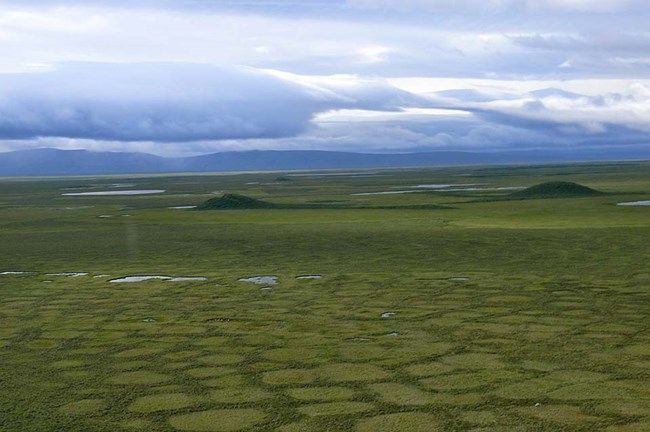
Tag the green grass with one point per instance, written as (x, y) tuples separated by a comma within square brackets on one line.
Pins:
[(321, 393), (139, 378), (415, 422), (335, 408), (161, 402), (217, 420), (511, 315), (239, 395), (349, 372), (84, 407), (558, 414), (400, 394)]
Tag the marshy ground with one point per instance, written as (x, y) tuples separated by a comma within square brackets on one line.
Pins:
[(433, 311)]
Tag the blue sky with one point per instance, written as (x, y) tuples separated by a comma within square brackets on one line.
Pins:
[(181, 77)]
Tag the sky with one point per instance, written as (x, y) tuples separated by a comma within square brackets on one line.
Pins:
[(187, 77)]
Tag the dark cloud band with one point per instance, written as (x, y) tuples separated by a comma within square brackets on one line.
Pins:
[(169, 102)]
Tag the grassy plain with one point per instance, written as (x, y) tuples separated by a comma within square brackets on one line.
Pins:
[(483, 315)]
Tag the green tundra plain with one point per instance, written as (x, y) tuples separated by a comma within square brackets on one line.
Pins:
[(475, 307)]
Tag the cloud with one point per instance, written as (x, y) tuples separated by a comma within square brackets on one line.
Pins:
[(586, 5), (442, 134), (473, 5), (195, 108), (329, 40), (139, 72), (180, 4), (540, 119), (620, 42), (599, 6), (169, 102), (570, 113)]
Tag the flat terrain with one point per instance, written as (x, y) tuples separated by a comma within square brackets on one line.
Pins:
[(445, 308)]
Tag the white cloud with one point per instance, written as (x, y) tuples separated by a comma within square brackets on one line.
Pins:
[(176, 102), (374, 54), (486, 56), (585, 5), (503, 88), (203, 108), (502, 5), (348, 41), (551, 107)]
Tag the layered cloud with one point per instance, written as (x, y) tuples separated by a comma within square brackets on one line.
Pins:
[(194, 108), (462, 5), (492, 119), (473, 6), (462, 40), (195, 76), (566, 112), (177, 102)]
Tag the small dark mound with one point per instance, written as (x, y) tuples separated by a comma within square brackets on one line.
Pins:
[(283, 179), (556, 190), (233, 201), (241, 202)]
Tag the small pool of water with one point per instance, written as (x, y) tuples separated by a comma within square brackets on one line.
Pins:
[(117, 193), (68, 274), (131, 279), (261, 280), (445, 186), (635, 203)]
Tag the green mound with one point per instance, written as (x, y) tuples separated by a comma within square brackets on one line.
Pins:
[(221, 359), (140, 377), (230, 201), (413, 421), (565, 414), (335, 408), (162, 402), (239, 395), (218, 420), (234, 201), (289, 376), (555, 190), (321, 393), (348, 372), (401, 394), (84, 407)]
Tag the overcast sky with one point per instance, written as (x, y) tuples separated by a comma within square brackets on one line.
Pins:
[(181, 77)]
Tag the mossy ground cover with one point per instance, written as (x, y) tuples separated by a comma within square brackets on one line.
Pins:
[(511, 315)]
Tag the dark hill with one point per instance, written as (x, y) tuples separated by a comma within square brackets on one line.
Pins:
[(51, 162), (556, 190), (235, 202), (241, 202)]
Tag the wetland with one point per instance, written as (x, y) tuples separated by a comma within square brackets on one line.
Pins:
[(458, 311)]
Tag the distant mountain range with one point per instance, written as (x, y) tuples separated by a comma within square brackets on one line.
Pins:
[(52, 162)]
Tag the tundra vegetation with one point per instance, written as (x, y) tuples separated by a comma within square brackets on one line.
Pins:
[(447, 309)]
